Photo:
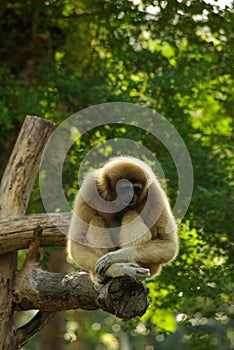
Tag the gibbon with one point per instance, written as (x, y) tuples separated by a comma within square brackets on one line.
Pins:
[(122, 222)]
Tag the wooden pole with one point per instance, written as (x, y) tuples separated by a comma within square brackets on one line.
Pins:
[(15, 189)]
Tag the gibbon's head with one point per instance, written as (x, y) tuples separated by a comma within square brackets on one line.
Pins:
[(124, 178)]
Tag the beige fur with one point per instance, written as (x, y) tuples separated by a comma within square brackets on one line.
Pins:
[(129, 241)]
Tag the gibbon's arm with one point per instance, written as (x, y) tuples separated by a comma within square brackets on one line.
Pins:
[(85, 253), (153, 252)]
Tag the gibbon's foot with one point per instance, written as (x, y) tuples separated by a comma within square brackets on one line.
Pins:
[(135, 271)]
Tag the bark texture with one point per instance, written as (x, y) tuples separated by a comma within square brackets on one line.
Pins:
[(15, 189)]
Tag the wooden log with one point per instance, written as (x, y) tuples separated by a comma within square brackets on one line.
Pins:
[(22, 169), (17, 233), (15, 189), (39, 289)]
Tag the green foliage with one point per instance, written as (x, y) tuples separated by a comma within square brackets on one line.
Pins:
[(175, 57)]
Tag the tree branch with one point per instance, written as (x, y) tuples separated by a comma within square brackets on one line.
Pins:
[(36, 288), (33, 326), (39, 289)]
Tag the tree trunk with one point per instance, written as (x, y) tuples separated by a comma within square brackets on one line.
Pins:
[(15, 190)]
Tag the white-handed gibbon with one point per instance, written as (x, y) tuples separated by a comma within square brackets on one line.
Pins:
[(122, 222)]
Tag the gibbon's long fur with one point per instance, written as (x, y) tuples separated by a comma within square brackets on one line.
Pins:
[(136, 237)]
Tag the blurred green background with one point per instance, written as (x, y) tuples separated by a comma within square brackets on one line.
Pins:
[(175, 57)]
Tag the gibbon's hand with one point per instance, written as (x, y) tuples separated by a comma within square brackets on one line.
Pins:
[(106, 261)]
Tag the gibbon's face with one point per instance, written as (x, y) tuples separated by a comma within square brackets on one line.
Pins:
[(124, 180), (129, 193)]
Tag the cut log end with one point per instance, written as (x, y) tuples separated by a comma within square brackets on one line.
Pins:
[(124, 297)]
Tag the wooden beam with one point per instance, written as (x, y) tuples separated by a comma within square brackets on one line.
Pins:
[(17, 233)]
